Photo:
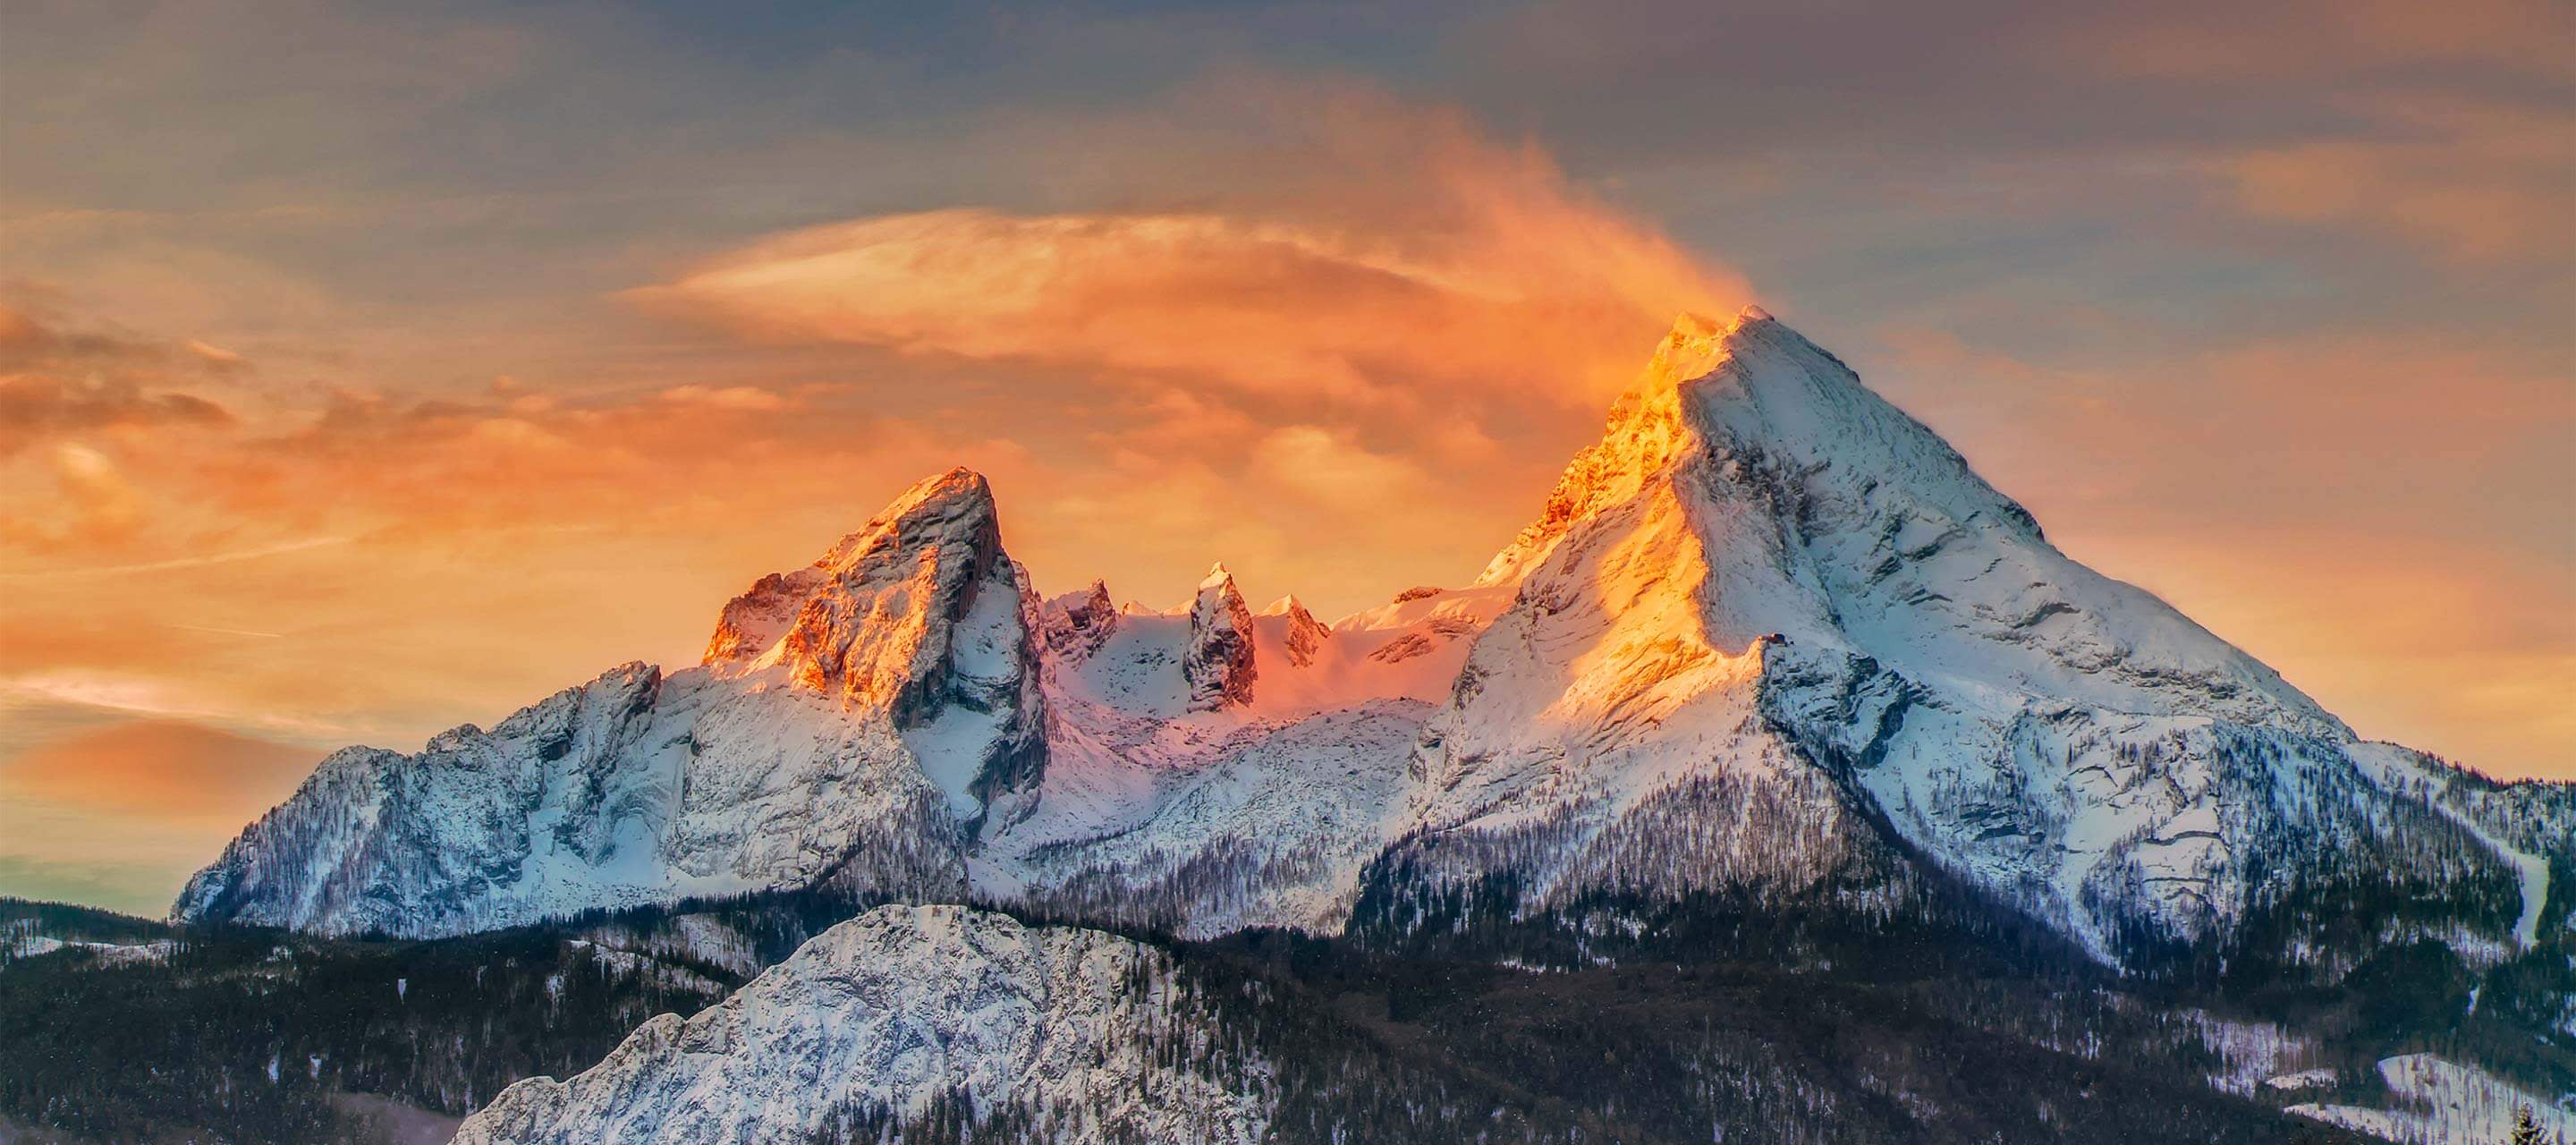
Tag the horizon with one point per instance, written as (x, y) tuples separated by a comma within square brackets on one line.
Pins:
[(334, 410)]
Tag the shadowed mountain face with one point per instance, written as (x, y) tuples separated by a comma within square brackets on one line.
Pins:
[(1771, 655)]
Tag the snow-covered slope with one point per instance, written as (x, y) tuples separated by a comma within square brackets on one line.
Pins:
[(2437, 1102), (855, 722), (892, 1011), (1159, 810)]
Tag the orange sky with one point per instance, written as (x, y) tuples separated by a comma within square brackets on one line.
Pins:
[(428, 391)]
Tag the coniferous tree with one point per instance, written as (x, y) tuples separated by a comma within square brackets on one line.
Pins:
[(2526, 1130)]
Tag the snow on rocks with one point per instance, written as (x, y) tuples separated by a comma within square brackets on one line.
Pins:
[(1077, 624), (1302, 635), (1218, 665), (856, 722), (919, 617), (2068, 742), (895, 1009)]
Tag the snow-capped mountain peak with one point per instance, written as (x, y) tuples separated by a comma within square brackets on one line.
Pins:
[(855, 722), (874, 619), (1646, 431), (2070, 742), (752, 626), (1771, 645)]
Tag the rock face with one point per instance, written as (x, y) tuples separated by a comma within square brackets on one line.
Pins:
[(1304, 635), (1077, 624), (919, 618), (1219, 663), (890, 1011), (887, 620)]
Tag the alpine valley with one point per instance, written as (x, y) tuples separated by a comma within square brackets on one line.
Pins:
[(1781, 782)]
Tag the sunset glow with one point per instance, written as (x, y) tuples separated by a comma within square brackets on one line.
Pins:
[(335, 409)]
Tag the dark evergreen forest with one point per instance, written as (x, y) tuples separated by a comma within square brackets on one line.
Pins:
[(1738, 1025)]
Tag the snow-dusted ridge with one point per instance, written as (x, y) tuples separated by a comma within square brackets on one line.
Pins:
[(1768, 627), (891, 1011), (855, 722)]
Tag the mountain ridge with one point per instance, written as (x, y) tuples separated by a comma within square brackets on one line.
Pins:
[(1762, 572)]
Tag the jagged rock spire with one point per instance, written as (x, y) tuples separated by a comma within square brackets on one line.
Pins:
[(1218, 664), (1078, 623), (1306, 635)]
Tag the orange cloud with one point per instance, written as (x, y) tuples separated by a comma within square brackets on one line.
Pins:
[(119, 813), (166, 772), (2443, 126), (750, 399), (1443, 262), (34, 407), (1353, 363), (97, 506)]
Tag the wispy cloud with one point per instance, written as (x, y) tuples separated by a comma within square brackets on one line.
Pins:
[(1412, 257), (175, 563), (229, 631)]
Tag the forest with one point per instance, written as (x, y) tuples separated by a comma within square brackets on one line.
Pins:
[(247, 1035)]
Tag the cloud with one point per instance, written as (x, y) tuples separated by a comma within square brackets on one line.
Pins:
[(28, 340), (1334, 471), (34, 407), (31, 340), (2304, 40), (2473, 182), (110, 810), (1398, 260), (97, 506), (59, 381), (215, 356), (2441, 126), (165, 771), (739, 399)]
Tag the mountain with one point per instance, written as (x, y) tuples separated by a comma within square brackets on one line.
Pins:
[(854, 723), (1769, 635), (1772, 635), (890, 1012), (1774, 676)]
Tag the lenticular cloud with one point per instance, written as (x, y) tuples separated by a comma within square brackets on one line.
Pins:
[(1407, 254)]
